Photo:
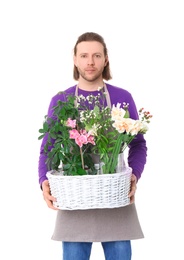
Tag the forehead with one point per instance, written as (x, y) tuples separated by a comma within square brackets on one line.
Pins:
[(90, 47)]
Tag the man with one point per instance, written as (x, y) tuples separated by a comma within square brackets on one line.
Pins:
[(114, 228)]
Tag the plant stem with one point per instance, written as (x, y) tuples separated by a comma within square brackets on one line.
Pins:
[(82, 159), (110, 160), (116, 151)]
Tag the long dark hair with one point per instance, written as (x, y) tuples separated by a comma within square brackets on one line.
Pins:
[(91, 36)]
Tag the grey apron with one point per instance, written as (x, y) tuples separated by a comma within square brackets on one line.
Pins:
[(98, 225)]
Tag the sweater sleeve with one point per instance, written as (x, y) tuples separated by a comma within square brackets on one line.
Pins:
[(42, 166), (137, 153)]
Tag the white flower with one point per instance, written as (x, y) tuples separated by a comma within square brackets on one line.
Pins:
[(117, 112), (93, 130), (124, 125), (143, 127)]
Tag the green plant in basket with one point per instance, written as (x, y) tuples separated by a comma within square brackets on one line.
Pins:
[(81, 127)]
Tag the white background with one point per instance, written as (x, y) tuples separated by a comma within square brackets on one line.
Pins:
[(146, 49)]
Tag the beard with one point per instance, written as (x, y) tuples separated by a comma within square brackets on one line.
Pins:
[(90, 78)]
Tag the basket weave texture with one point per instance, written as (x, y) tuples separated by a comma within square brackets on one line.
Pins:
[(90, 191)]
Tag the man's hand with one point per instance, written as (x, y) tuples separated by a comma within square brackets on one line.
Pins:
[(49, 199), (133, 188)]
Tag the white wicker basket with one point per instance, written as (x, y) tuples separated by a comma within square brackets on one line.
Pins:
[(90, 191)]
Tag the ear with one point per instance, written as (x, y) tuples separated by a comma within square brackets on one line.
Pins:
[(106, 60), (75, 60)]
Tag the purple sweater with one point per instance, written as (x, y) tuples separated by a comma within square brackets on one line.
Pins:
[(137, 149)]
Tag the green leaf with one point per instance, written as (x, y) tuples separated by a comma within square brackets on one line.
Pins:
[(41, 131), (45, 127), (40, 137), (66, 167), (81, 171)]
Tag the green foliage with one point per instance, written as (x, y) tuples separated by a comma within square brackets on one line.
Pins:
[(59, 148), (81, 127)]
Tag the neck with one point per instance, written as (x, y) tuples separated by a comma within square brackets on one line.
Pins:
[(90, 86)]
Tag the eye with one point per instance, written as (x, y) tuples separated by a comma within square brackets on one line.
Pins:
[(98, 56), (83, 56)]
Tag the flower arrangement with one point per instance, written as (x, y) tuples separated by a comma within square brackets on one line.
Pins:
[(82, 127)]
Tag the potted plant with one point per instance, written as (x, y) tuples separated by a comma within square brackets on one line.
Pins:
[(83, 130)]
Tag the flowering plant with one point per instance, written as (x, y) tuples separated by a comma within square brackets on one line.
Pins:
[(82, 127)]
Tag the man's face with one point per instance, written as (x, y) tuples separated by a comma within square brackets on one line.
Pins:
[(90, 60)]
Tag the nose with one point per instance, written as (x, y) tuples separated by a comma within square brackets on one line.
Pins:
[(90, 60)]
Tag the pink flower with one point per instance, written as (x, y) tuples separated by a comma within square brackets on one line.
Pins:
[(81, 139), (71, 123), (90, 139), (73, 134)]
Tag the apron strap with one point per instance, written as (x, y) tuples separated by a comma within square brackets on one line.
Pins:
[(107, 96)]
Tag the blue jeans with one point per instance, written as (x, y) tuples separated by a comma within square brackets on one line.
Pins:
[(116, 250)]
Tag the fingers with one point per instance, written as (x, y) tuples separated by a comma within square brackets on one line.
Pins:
[(133, 188), (132, 199), (49, 199), (49, 202)]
